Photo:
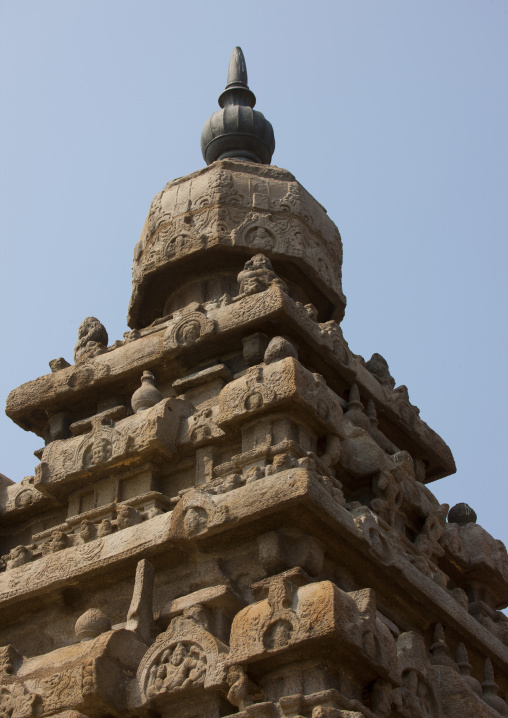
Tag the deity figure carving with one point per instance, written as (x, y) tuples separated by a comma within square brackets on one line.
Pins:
[(258, 275), (193, 326), (98, 452), (202, 425), (179, 667), (261, 237)]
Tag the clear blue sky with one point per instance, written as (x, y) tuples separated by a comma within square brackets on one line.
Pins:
[(392, 114)]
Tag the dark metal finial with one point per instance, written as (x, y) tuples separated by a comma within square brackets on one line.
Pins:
[(237, 90), (237, 130)]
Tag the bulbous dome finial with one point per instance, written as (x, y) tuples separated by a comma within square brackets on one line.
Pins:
[(237, 130)]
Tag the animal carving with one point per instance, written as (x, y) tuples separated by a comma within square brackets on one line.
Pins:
[(238, 694), (92, 338)]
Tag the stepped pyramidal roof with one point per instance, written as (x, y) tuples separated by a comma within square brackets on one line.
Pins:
[(231, 513)]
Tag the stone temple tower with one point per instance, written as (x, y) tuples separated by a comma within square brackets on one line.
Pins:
[(231, 513)]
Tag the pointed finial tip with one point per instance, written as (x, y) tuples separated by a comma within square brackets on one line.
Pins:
[(237, 71)]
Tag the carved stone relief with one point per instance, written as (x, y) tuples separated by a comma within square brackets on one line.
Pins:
[(183, 657), (188, 330), (109, 442)]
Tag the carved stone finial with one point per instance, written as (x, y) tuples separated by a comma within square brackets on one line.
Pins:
[(237, 130), (147, 395), (355, 411), (91, 624), (92, 339), (490, 690), (439, 649), (140, 615), (372, 414), (58, 364), (462, 661), (279, 348), (461, 514)]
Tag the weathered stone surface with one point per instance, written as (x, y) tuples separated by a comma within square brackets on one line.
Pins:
[(249, 531)]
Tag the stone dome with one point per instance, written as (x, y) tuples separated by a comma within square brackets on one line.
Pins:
[(91, 624)]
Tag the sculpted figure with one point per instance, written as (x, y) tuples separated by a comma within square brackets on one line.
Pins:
[(105, 528), (262, 238), (257, 275), (433, 529), (92, 338), (101, 450), (200, 424), (58, 542), (126, 516), (17, 557), (87, 531), (378, 366), (238, 694), (179, 667), (389, 495)]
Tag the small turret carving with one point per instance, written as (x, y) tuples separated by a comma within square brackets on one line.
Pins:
[(490, 690), (374, 431), (355, 410), (462, 661), (439, 650)]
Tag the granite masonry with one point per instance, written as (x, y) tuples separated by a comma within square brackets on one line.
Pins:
[(231, 512)]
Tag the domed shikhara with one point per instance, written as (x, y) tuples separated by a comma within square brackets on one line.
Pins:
[(203, 228), (237, 130)]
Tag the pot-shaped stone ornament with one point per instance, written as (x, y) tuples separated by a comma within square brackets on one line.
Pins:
[(147, 395)]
